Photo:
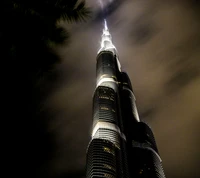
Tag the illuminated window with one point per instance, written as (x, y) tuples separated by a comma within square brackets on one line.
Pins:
[(104, 108), (111, 99), (105, 75), (108, 175), (109, 167), (108, 150), (104, 97), (141, 171), (114, 77)]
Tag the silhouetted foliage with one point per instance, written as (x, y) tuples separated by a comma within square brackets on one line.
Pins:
[(34, 23), (28, 30)]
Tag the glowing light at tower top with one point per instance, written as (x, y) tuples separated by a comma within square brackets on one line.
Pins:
[(105, 25), (106, 40)]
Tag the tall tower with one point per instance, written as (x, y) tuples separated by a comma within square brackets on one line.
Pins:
[(121, 146)]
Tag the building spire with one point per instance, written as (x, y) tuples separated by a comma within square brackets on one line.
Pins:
[(105, 25), (106, 40)]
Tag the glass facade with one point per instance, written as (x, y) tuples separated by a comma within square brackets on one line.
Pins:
[(102, 159), (121, 145)]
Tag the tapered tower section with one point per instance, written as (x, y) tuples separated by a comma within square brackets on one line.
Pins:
[(104, 151), (142, 153)]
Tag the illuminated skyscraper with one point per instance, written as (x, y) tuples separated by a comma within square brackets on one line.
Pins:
[(121, 146)]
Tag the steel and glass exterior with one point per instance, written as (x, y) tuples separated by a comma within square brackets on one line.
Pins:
[(121, 146)]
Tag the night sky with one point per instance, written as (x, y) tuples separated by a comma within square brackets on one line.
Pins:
[(158, 43)]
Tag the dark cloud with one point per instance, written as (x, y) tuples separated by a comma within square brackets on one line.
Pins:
[(185, 64), (107, 9), (148, 113), (143, 32), (143, 26)]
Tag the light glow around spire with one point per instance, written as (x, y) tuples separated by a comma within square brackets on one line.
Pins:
[(105, 25), (106, 40), (106, 43)]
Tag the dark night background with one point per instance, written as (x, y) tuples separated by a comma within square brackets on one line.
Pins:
[(49, 88)]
